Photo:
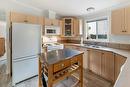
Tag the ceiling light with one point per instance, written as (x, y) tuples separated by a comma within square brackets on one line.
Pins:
[(90, 9)]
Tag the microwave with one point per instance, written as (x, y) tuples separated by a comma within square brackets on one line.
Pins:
[(52, 30)]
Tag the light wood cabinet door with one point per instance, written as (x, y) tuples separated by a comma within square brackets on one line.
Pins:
[(32, 19), (61, 27), (2, 46), (23, 18), (117, 21), (41, 20), (48, 22), (119, 61), (51, 22), (107, 66), (127, 20), (95, 61), (76, 27), (18, 17), (55, 22)]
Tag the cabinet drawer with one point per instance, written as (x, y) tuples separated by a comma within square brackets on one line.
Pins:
[(61, 65), (76, 59)]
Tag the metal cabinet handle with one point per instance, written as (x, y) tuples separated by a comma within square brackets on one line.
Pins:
[(25, 20), (124, 31)]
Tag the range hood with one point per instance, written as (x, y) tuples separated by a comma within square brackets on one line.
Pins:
[(50, 14)]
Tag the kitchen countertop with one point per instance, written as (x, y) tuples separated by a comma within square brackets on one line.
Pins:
[(124, 76), (55, 56)]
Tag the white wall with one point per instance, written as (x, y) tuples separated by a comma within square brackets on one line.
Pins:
[(106, 13), (13, 5)]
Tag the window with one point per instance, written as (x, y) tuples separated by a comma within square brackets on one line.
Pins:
[(97, 29)]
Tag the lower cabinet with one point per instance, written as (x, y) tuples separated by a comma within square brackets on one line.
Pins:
[(107, 66), (104, 63), (119, 61), (95, 61)]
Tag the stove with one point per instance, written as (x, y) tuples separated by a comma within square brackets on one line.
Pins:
[(54, 46)]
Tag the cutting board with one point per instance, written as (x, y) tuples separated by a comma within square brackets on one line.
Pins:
[(2, 46)]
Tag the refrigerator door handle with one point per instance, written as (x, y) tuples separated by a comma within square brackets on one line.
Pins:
[(23, 59)]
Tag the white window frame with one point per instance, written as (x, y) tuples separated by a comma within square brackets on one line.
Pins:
[(104, 40)]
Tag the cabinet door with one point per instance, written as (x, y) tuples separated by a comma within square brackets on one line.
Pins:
[(119, 61), (95, 61), (127, 20), (68, 27), (117, 21), (48, 22), (55, 22), (18, 17), (2, 46), (76, 27), (107, 69), (41, 20), (85, 57), (32, 19), (61, 27)]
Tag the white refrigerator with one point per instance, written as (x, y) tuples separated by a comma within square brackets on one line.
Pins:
[(26, 45)]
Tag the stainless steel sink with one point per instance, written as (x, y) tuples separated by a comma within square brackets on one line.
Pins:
[(95, 46)]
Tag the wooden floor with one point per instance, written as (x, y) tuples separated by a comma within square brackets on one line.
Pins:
[(90, 80)]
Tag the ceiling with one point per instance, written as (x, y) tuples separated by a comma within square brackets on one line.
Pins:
[(71, 7)]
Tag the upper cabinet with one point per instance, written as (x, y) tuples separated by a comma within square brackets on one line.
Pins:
[(120, 23), (70, 27), (24, 18), (52, 22)]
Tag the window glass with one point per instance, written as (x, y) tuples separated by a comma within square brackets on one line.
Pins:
[(97, 29), (102, 27), (92, 30)]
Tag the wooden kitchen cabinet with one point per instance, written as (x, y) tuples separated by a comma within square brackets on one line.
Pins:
[(120, 23), (70, 26), (107, 66), (61, 27), (2, 46), (51, 22), (23, 18), (127, 20), (41, 20), (95, 61), (102, 63), (76, 27), (117, 21), (119, 61)]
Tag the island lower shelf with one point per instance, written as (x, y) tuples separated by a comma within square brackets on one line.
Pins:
[(61, 70)]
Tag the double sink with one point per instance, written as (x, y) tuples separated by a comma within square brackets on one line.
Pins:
[(93, 46)]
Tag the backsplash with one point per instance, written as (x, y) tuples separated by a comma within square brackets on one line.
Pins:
[(106, 44), (51, 39)]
